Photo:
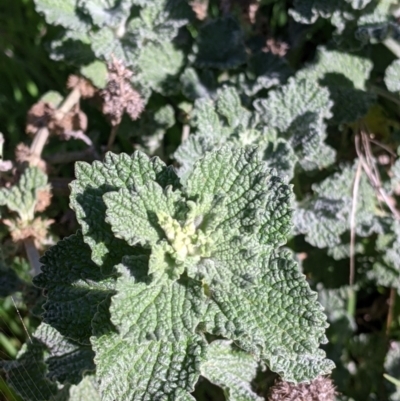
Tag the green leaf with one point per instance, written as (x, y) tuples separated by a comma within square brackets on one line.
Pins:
[(62, 12), (92, 182), (68, 361), (273, 316), (196, 258), (47, 361), (73, 47), (74, 286), (159, 65), (392, 76), (133, 215), (220, 44), (86, 390), (345, 76), (257, 202), (392, 366), (105, 12), (27, 374), (307, 134), (197, 84), (149, 130), (326, 216), (105, 44), (150, 370), (385, 271), (166, 311), (96, 72), (22, 197), (264, 71), (231, 369), (298, 97)]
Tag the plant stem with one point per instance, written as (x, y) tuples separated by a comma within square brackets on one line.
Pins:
[(42, 135), (356, 186), (351, 301), (393, 46), (384, 93), (391, 302), (70, 101), (112, 137), (33, 256), (38, 143)]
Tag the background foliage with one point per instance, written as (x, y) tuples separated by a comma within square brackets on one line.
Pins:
[(314, 84)]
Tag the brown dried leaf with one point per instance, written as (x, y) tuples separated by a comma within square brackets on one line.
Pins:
[(276, 47), (75, 120), (23, 154), (320, 389), (43, 200), (39, 116), (37, 229), (86, 88), (200, 8), (119, 96)]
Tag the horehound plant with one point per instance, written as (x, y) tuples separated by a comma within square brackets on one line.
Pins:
[(162, 267)]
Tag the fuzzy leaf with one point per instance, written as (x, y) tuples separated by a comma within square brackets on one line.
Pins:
[(166, 311), (87, 191), (74, 286), (68, 360), (326, 216), (274, 315), (150, 129), (297, 97), (96, 72), (220, 44), (62, 12), (392, 76), (27, 374), (85, 390), (306, 135), (266, 70), (232, 370), (198, 257), (258, 201), (152, 370), (345, 76), (22, 197), (106, 13), (197, 84), (159, 66)]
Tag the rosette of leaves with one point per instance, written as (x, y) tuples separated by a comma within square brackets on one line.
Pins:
[(160, 265), (138, 33), (277, 127)]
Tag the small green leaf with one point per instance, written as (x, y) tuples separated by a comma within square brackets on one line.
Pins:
[(96, 72), (62, 12), (232, 370), (392, 76)]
